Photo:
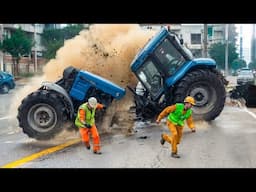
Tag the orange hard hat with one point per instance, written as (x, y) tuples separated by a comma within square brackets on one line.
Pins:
[(189, 99)]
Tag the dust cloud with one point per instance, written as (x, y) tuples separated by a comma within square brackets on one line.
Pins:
[(201, 124), (106, 50)]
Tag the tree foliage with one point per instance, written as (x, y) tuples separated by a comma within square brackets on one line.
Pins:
[(252, 65), (17, 45), (217, 52), (53, 39), (238, 64)]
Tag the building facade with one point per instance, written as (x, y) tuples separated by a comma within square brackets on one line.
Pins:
[(28, 63), (193, 34)]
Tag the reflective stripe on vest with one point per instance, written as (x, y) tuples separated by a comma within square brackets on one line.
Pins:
[(89, 116), (177, 117)]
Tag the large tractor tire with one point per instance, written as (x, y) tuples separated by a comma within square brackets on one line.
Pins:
[(41, 115), (4, 89), (207, 89)]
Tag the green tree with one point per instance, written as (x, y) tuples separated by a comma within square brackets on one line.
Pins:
[(252, 65), (17, 45), (53, 39), (237, 64), (217, 52)]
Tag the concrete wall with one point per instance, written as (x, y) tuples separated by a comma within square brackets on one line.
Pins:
[(26, 64)]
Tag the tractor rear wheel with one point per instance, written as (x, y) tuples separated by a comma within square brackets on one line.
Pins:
[(207, 89)]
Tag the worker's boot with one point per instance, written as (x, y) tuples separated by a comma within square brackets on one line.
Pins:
[(175, 155), (87, 145), (97, 152), (162, 141)]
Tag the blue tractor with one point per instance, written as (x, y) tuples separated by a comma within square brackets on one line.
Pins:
[(166, 71), (42, 113)]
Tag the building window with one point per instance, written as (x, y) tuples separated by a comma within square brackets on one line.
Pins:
[(195, 38), (7, 33)]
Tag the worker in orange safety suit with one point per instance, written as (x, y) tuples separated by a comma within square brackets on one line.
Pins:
[(177, 113), (85, 121)]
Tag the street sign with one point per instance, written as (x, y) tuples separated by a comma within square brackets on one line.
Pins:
[(210, 31)]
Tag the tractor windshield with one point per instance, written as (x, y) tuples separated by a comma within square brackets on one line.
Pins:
[(151, 78), (169, 57)]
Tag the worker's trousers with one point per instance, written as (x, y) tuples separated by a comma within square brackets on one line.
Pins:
[(175, 137), (85, 134)]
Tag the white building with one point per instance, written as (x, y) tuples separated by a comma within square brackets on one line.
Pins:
[(247, 54), (173, 27), (193, 34)]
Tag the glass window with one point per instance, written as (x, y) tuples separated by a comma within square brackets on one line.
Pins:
[(195, 38), (169, 57), (150, 77), (245, 72)]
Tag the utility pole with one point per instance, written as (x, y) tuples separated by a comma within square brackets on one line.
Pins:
[(226, 50), (241, 43), (35, 50), (205, 41), (1, 53), (253, 44)]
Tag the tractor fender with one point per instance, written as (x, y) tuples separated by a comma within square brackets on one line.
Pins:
[(62, 91)]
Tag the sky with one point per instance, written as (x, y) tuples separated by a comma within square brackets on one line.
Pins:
[(245, 31), (246, 34)]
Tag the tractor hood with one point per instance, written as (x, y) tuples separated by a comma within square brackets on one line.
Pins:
[(97, 82)]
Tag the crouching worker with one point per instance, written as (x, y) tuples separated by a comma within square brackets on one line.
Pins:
[(85, 121), (177, 113)]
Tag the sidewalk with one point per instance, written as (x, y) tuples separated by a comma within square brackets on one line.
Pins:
[(21, 81), (232, 83)]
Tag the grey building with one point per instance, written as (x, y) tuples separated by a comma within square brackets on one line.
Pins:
[(32, 30)]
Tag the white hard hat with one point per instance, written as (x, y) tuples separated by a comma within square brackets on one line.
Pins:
[(92, 102)]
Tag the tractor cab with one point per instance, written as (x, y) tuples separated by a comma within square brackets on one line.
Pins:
[(168, 73), (158, 60)]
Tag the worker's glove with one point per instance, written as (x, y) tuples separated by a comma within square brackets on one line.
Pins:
[(87, 125)]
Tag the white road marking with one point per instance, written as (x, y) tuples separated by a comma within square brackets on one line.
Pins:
[(250, 113), (13, 132), (3, 118), (9, 142), (10, 133)]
